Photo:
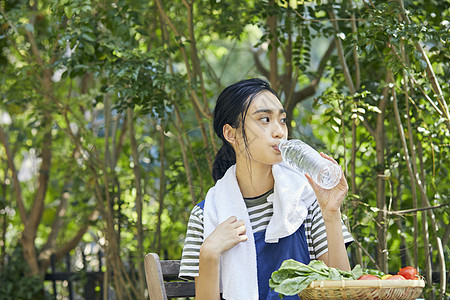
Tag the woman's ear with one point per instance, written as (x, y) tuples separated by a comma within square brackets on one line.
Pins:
[(229, 133)]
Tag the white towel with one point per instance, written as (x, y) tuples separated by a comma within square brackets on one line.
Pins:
[(291, 199)]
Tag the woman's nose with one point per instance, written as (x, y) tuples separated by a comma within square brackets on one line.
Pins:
[(278, 131)]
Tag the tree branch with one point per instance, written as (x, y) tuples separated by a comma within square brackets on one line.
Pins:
[(183, 132), (446, 235), (139, 197), (194, 98), (414, 210), (333, 19), (49, 246), (355, 53), (340, 48), (418, 182), (431, 75), (184, 154), (312, 88), (64, 249), (368, 127), (258, 63), (17, 188), (367, 253), (44, 174), (35, 49), (273, 50), (443, 103), (121, 141)]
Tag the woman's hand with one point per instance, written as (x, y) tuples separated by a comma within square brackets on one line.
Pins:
[(330, 200), (330, 204), (228, 234)]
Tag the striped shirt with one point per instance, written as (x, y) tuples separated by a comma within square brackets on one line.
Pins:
[(260, 212)]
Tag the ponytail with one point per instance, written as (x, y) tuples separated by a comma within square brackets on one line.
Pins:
[(225, 158)]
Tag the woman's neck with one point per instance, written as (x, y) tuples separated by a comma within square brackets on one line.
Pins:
[(255, 179)]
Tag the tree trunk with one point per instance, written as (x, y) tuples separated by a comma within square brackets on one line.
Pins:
[(162, 189), (32, 223), (381, 185), (425, 230), (184, 154), (4, 224), (341, 54), (273, 49), (14, 175), (420, 184), (139, 204)]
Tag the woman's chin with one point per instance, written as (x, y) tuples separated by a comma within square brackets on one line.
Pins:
[(278, 161)]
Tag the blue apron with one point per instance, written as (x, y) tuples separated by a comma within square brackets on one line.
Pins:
[(269, 257)]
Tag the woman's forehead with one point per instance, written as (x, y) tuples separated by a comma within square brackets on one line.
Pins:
[(265, 100)]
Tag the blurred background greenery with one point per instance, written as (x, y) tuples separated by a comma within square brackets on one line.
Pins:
[(106, 141)]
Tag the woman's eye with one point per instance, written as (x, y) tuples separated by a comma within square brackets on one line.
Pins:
[(283, 121), (265, 119)]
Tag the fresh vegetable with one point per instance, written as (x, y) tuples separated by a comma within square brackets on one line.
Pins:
[(409, 273), (384, 277), (375, 272), (368, 277), (292, 277), (396, 277)]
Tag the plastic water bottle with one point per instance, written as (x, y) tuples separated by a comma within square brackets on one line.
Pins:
[(305, 159)]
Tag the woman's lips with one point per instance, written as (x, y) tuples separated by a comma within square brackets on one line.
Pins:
[(276, 148)]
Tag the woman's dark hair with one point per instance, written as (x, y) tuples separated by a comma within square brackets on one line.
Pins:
[(231, 108)]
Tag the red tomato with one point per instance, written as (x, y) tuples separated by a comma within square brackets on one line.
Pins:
[(396, 277), (368, 277), (408, 273)]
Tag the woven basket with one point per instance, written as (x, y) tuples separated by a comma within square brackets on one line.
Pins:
[(363, 289)]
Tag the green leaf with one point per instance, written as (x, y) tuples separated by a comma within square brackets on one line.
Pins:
[(374, 109), (294, 265), (293, 286), (337, 120), (357, 272), (89, 48), (318, 265), (361, 110), (334, 274), (88, 38), (68, 11)]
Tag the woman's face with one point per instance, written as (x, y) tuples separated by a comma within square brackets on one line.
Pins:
[(265, 125)]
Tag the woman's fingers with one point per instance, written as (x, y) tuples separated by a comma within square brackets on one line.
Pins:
[(235, 230), (228, 234), (328, 157), (230, 220)]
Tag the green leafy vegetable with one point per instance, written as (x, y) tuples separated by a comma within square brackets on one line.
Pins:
[(377, 273), (292, 277)]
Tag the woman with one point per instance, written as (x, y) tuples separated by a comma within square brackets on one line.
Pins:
[(259, 213)]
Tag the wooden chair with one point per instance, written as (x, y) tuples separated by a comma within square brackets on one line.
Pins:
[(162, 279)]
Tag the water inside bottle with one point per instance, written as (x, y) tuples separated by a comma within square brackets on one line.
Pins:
[(329, 176), (323, 172)]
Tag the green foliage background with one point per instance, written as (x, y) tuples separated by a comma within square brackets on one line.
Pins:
[(121, 93)]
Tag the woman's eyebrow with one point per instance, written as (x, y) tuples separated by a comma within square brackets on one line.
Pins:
[(268, 111)]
